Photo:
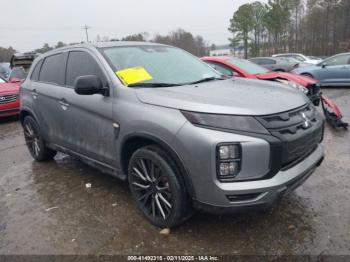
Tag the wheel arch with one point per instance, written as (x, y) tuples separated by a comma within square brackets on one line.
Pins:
[(137, 140), (26, 112)]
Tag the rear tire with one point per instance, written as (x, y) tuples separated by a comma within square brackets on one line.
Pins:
[(35, 142), (157, 187)]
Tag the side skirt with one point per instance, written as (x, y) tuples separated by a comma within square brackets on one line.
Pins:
[(103, 167)]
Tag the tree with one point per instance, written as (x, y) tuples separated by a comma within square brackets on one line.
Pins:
[(134, 37), (46, 47), (60, 44), (240, 26), (6, 54), (196, 45)]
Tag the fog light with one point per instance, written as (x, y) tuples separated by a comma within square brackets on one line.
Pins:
[(228, 168), (228, 151), (228, 161)]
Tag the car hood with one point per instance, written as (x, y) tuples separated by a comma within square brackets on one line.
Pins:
[(12, 88), (301, 80), (233, 96)]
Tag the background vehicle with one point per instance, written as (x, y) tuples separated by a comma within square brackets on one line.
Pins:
[(9, 99), (276, 64), (333, 71), (302, 58), (178, 131), (230, 66), (20, 64)]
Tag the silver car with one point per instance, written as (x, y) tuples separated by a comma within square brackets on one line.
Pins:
[(181, 134)]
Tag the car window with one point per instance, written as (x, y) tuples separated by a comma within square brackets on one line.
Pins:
[(221, 69), (52, 70), (337, 60), (266, 61), (18, 72), (249, 67), (256, 61), (36, 71), (81, 63)]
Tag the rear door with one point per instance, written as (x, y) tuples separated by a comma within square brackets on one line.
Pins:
[(46, 89), (88, 122)]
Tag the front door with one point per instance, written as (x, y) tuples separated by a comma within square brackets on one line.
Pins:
[(89, 126)]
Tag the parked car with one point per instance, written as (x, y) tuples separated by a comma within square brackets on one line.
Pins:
[(302, 58), (181, 134), (9, 100), (275, 63), (230, 66), (333, 71)]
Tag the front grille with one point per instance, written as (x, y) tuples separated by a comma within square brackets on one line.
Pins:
[(300, 131), (6, 99)]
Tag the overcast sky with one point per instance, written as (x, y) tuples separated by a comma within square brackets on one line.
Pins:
[(28, 24)]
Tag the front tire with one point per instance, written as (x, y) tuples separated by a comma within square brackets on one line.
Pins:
[(35, 143), (156, 186)]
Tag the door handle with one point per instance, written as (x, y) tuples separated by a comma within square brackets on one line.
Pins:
[(64, 104), (35, 94)]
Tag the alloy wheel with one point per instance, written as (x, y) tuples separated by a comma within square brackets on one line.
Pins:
[(151, 188), (32, 139)]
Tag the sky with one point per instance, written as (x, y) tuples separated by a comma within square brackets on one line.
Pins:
[(30, 23)]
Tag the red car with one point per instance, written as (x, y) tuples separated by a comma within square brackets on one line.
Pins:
[(230, 66), (9, 97)]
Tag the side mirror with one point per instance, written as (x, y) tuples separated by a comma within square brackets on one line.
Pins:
[(324, 65), (14, 80), (89, 85)]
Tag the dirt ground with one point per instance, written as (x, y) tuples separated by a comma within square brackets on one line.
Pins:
[(45, 208)]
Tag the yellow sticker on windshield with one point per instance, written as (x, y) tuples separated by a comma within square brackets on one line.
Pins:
[(133, 75)]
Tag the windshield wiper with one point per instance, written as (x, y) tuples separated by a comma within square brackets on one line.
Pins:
[(153, 85), (206, 79)]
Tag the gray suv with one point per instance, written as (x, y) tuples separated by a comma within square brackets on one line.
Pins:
[(183, 135)]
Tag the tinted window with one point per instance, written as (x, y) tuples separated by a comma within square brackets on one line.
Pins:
[(337, 60), (52, 70), (81, 64), (268, 61), (18, 72), (221, 68), (36, 71)]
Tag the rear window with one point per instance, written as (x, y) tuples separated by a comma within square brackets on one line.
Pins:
[(52, 70), (36, 71)]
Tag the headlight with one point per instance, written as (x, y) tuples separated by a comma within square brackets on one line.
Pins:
[(299, 87), (227, 122), (294, 85)]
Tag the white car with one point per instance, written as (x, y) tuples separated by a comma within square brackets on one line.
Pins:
[(302, 58)]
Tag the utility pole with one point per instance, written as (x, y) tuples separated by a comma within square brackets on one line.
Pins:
[(86, 27)]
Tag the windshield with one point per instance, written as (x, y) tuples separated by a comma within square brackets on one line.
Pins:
[(248, 66), (157, 65)]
